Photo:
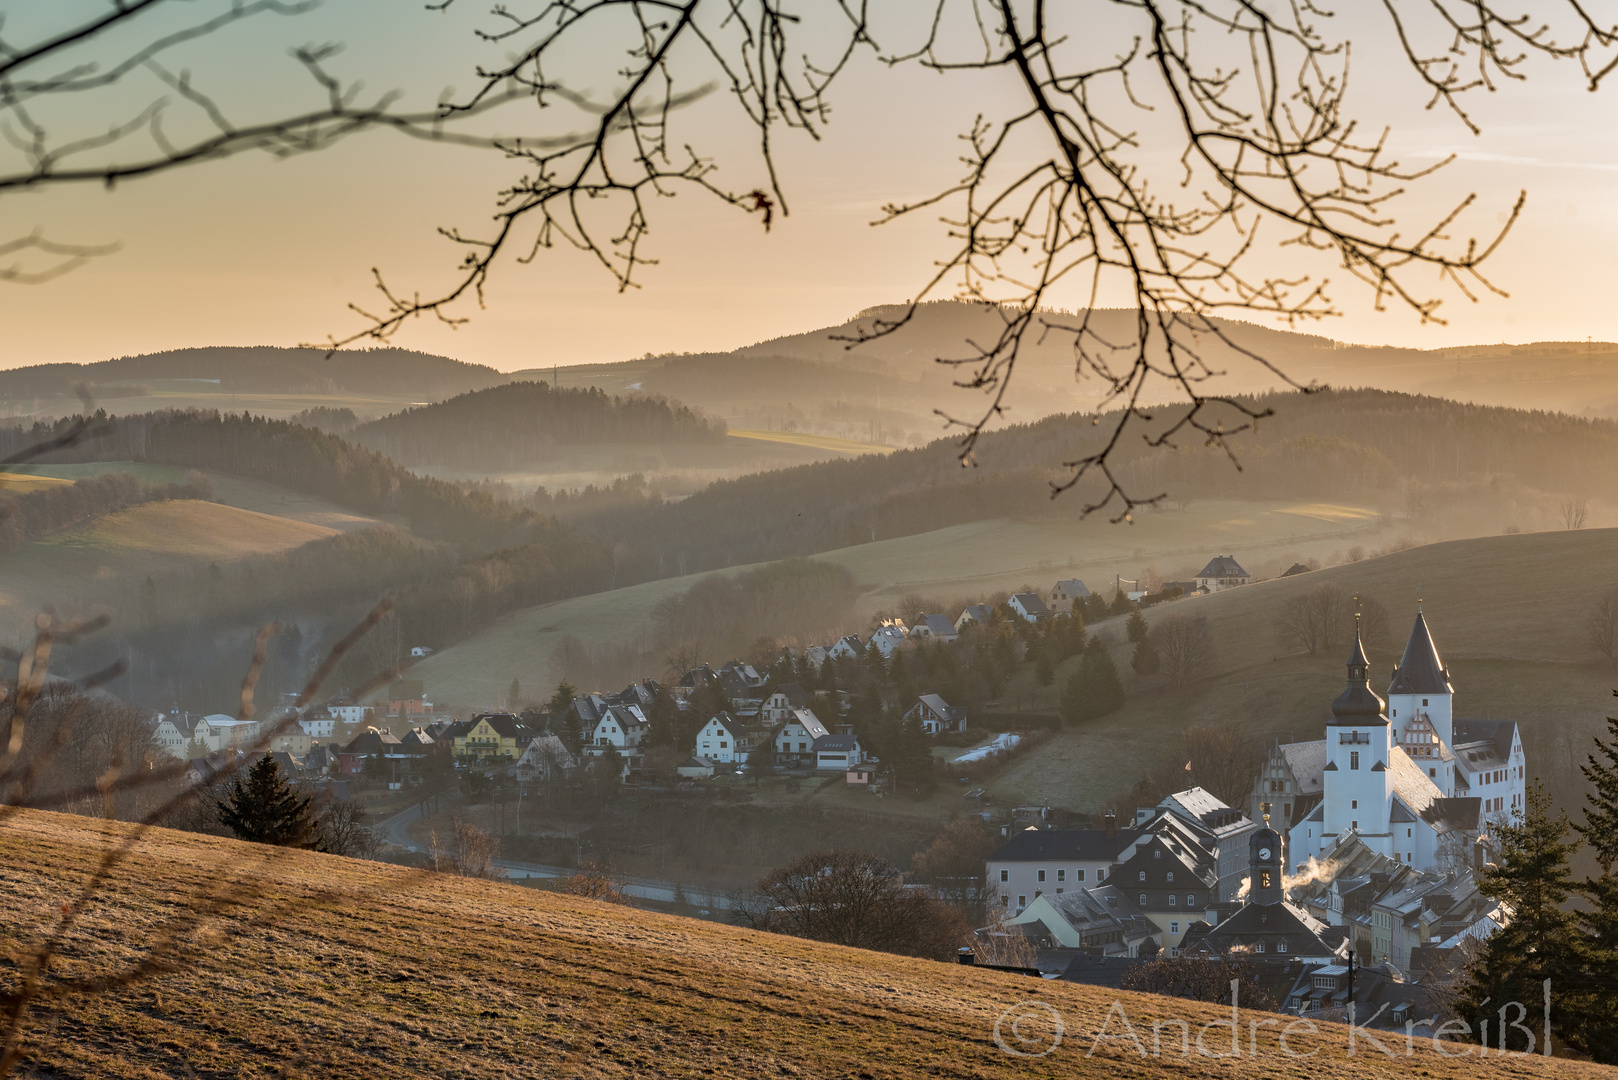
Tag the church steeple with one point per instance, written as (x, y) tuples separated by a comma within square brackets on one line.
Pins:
[(1420, 671), (1358, 704), (1264, 866)]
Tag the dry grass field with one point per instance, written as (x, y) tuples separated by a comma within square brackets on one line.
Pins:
[(332, 968), (70, 568), (965, 560), (817, 442), (1508, 614)]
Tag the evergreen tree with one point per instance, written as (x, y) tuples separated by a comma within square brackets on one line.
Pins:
[(1145, 661), (261, 808), (1540, 942), (1044, 670), (1120, 603), (1598, 1028), (564, 720), (1136, 627), (1095, 689), (514, 695)]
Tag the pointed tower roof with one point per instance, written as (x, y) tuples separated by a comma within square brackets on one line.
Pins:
[(1420, 671), (1358, 703)]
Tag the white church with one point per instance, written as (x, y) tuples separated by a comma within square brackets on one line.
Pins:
[(1414, 783)]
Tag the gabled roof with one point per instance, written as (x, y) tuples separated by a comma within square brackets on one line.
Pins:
[(1295, 569), (1446, 814), (978, 613), (1223, 566), (732, 727), (936, 704), (628, 716), (811, 723), (797, 697), (1073, 587), (1307, 760), (1030, 603), (1271, 923), (836, 743), (1410, 782), (1420, 671), (939, 625), (1498, 733), (1082, 845), (505, 725)]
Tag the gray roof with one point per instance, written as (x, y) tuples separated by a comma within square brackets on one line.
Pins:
[(1073, 587), (1307, 760), (795, 694), (1411, 783), (939, 625), (1498, 733), (1223, 566), (1295, 569), (980, 613), (1446, 814), (1030, 602), (1083, 845), (728, 722), (1420, 671), (835, 743), (811, 723)]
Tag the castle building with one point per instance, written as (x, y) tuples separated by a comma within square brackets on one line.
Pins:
[(1412, 782)]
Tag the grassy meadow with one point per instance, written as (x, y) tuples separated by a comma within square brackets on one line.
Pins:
[(318, 965), (947, 564)]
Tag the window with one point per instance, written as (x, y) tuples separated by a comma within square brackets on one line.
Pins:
[(1259, 947), (1408, 833), (1171, 899), (1424, 701), (1005, 875), (1078, 875), (1058, 892), (1190, 899), (1174, 927), (1061, 875), (1022, 902), (1433, 773), (1157, 854), (1143, 875), (1354, 759), (1354, 825), (1171, 875), (1101, 875), (1042, 875), (1353, 804), (724, 746), (1038, 893), (1142, 899)]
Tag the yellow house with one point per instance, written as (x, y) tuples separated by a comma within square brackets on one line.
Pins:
[(493, 735)]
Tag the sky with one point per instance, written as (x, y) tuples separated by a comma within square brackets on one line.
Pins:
[(255, 250)]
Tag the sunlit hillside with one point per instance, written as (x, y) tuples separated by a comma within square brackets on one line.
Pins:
[(317, 965)]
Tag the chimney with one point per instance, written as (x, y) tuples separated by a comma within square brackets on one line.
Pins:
[(1480, 853), (1111, 821)]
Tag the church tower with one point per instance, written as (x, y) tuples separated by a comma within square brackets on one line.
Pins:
[(1421, 707), (1359, 745), (1264, 866)]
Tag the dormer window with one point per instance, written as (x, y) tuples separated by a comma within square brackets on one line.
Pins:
[(1171, 875), (1143, 875)]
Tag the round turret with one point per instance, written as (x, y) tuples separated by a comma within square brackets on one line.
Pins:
[(1358, 704)]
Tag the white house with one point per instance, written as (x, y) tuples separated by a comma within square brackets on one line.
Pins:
[(1066, 594), (795, 738), (420, 650), (1028, 606), (782, 700), (936, 714), (849, 647), (348, 712), (1398, 784), (837, 753), (721, 740), (1222, 572), (981, 614), (1038, 861), (816, 655), (934, 628), (176, 733), (889, 637), (623, 727), (216, 732)]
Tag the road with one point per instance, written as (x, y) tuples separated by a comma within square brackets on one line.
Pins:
[(396, 831)]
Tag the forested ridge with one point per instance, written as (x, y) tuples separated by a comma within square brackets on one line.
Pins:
[(385, 372), (300, 458), (1388, 449), (36, 513), (513, 426)]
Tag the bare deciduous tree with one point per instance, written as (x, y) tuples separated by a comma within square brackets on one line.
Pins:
[(1574, 512), (1184, 647), (1313, 620), (1602, 625), (596, 881), (470, 853)]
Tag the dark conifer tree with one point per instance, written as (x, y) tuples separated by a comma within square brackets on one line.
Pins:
[(1598, 1027), (1095, 689), (1136, 627), (1541, 942), (1145, 660), (260, 807)]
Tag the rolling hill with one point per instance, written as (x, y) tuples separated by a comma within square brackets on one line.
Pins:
[(1508, 614), (325, 966), (967, 560)]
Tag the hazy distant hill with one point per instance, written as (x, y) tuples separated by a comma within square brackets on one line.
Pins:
[(385, 373), (521, 424)]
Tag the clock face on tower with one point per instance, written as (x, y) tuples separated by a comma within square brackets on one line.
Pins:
[(1264, 853)]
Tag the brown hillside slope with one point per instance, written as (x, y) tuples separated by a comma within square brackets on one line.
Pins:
[(336, 968)]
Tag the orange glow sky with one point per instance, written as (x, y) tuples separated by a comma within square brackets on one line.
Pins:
[(254, 251)]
